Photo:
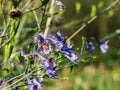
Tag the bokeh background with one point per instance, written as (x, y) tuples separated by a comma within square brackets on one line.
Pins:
[(103, 72)]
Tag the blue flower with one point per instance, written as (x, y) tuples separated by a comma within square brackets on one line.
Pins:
[(49, 66), (39, 38), (58, 44), (5, 37), (34, 85), (4, 83), (44, 46), (1, 31), (51, 73), (104, 46), (24, 54), (90, 47), (72, 57), (59, 36), (59, 3), (64, 47), (59, 40)]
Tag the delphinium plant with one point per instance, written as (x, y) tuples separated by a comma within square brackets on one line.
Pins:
[(28, 59)]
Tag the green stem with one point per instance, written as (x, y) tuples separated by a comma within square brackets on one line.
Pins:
[(83, 44), (27, 4), (43, 17), (36, 18), (32, 10), (10, 43), (113, 5), (19, 80), (48, 23), (4, 31), (15, 77)]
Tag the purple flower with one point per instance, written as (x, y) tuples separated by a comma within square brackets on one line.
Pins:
[(51, 73), (63, 47), (72, 57), (4, 83), (39, 38), (34, 85), (45, 47), (59, 36), (47, 63), (5, 37), (24, 54), (49, 66), (58, 44), (66, 48), (104, 46), (1, 31), (59, 3), (59, 40), (90, 47), (30, 84)]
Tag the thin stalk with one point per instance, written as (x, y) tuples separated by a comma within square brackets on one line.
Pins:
[(27, 4), (33, 9), (15, 77), (43, 15), (36, 18), (18, 34), (83, 44), (20, 79), (48, 23), (4, 31), (113, 5), (2, 6)]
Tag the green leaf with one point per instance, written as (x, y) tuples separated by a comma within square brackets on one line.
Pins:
[(111, 35), (26, 30)]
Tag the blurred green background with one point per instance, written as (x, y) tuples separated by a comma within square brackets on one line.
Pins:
[(102, 73)]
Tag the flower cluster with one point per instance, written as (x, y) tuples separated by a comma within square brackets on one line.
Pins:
[(64, 47), (44, 48), (47, 46), (49, 66)]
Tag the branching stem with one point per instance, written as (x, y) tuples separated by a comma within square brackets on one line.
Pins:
[(113, 5)]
